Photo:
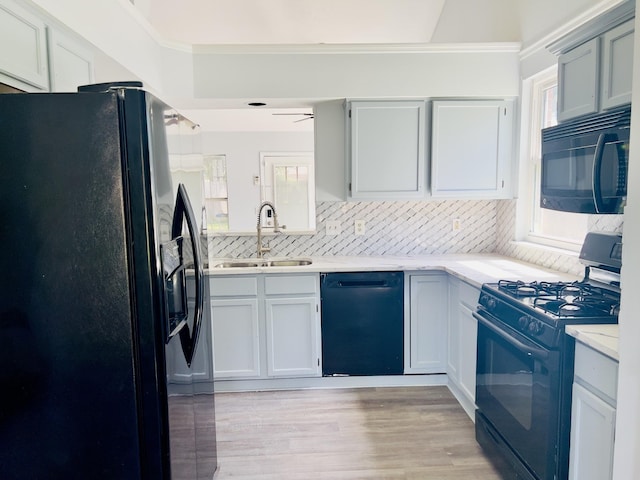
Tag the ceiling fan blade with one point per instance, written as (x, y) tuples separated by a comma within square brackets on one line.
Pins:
[(306, 114), (303, 119)]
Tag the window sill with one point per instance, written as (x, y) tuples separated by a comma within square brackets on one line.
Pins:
[(545, 248)]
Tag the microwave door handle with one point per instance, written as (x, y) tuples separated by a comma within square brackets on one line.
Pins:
[(533, 352), (598, 156), (184, 210)]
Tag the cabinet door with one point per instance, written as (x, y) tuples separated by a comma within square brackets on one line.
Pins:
[(293, 337), (617, 65), (23, 48), (578, 80), (592, 436), (236, 348), (428, 324), (468, 331), (70, 64), (453, 331), (387, 150), (471, 150)]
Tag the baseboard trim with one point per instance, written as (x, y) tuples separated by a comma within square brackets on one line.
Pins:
[(329, 382)]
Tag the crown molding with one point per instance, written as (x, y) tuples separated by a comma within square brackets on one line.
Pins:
[(323, 49), (588, 15)]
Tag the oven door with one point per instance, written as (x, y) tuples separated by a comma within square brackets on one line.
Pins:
[(517, 386)]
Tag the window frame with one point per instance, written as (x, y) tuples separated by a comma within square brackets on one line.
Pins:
[(529, 200), (268, 160)]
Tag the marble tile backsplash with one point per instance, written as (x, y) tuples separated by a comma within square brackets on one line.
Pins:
[(549, 258), (392, 228), (413, 228)]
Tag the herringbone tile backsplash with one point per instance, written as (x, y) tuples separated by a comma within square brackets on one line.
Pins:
[(413, 228), (392, 228), (550, 258)]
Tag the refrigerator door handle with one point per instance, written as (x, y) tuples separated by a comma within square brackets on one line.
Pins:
[(183, 210)]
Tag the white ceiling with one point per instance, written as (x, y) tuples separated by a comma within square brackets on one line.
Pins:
[(293, 21)]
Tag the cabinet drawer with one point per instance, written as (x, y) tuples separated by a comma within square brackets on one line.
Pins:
[(469, 295), (233, 286), (290, 284), (593, 369)]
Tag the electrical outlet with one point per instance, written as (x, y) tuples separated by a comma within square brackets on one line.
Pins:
[(333, 228), (360, 227), (455, 225)]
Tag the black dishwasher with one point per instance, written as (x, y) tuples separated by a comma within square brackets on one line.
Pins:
[(362, 323)]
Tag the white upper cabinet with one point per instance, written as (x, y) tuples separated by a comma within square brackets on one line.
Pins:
[(617, 65), (578, 80), (70, 64), (23, 48), (387, 149), (595, 64), (471, 150)]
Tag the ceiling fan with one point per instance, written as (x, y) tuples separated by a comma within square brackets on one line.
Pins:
[(307, 116)]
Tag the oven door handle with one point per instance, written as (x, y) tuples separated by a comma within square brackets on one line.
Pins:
[(534, 352)]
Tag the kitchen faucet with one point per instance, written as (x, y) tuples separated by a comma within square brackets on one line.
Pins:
[(276, 227)]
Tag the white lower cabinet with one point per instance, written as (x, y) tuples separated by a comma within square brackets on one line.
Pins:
[(462, 335), (292, 337), (426, 331), (235, 326), (236, 335), (593, 415), (265, 326)]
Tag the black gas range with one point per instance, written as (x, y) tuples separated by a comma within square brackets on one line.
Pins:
[(525, 361), (540, 310)]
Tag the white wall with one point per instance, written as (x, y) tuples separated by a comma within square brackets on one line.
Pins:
[(627, 450), (243, 163)]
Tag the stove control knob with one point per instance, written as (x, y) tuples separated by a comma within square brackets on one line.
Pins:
[(536, 327), (488, 302), (524, 322)]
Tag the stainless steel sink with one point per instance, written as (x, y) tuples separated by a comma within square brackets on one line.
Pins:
[(281, 262), (294, 262), (237, 264)]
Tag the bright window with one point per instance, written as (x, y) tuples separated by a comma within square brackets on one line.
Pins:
[(288, 182), (215, 193), (550, 227)]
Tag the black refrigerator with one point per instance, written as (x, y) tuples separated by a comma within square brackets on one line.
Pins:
[(102, 293)]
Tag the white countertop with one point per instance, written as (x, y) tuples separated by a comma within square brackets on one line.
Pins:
[(473, 268), (603, 338)]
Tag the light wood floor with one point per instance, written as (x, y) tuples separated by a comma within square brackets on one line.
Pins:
[(410, 433)]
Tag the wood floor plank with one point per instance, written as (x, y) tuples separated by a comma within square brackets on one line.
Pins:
[(399, 433)]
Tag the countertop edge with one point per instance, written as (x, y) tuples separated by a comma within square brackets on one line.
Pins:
[(475, 269), (602, 338)]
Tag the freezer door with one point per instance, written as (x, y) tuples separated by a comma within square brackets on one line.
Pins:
[(68, 407)]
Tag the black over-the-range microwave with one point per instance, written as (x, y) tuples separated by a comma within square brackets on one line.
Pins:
[(584, 163)]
